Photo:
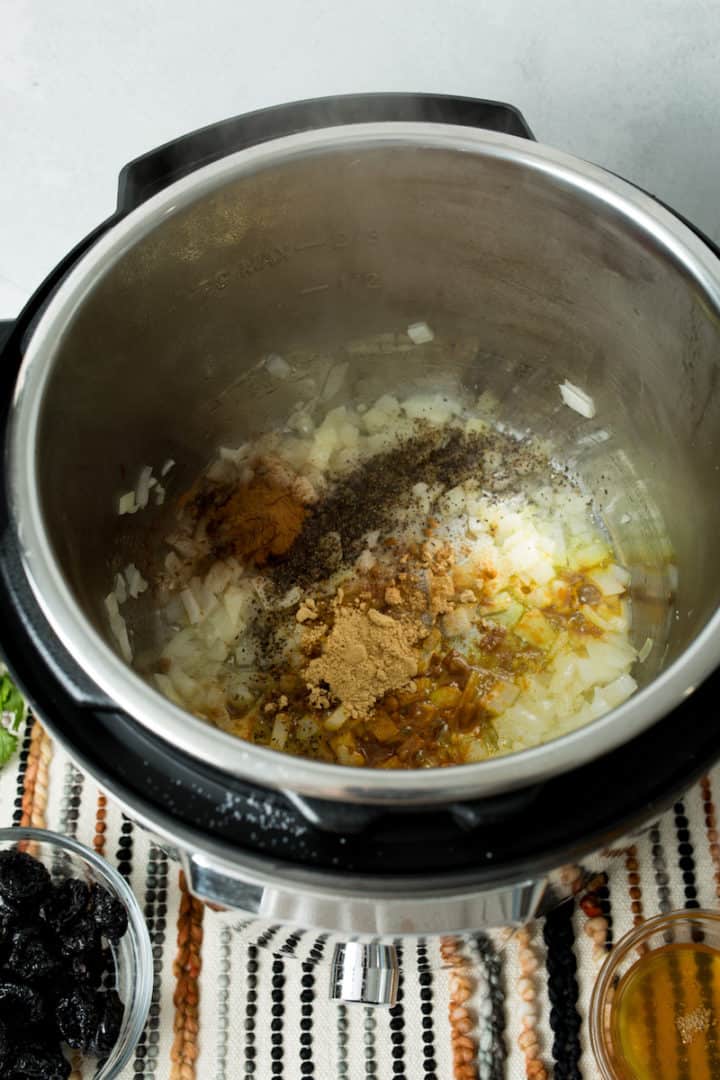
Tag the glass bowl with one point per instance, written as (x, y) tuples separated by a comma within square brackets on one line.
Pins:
[(698, 930), (65, 858)]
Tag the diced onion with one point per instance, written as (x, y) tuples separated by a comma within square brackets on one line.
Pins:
[(646, 650), (136, 583), (420, 333), (577, 399), (191, 606), (142, 492), (277, 366), (126, 503), (120, 589)]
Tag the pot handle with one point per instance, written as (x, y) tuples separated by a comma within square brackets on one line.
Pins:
[(351, 910), (151, 172)]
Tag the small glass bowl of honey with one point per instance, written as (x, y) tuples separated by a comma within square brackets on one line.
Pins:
[(656, 1003)]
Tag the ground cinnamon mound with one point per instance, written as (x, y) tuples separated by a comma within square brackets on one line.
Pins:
[(259, 519)]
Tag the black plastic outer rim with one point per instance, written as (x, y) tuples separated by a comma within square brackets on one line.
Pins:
[(598, 812)]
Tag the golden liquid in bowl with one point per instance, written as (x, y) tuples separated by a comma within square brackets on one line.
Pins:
[(665, 1015)]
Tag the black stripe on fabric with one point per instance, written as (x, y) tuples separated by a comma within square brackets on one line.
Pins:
[(124, 853), (425, 981), (491, 1059), (561, 966), (662, 880), (251, 981), (252, 967), (397, 1022), (307, 984), (22, 769), (289, 946), (277, 1024), (155, 911), (72, 797), (267, 935), (686, 862)]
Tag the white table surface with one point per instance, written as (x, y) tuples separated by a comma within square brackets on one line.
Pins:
[(86, 85)]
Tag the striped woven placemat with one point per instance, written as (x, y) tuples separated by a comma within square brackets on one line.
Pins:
[(238, 998)]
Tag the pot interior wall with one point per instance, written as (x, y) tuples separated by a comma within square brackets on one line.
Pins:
[(526, 281)]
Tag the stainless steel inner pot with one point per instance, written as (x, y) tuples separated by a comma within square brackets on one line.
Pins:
[(531, 267)]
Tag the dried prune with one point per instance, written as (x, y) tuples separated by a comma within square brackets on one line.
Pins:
[(77, 1017), (20, 1004), (65, 902), (46, 1062), (56, 969), (79, 936), (88, 968), (108, 913), (31, 957), (23, 880), (111, 1011)]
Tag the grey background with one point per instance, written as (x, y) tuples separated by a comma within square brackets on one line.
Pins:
[(85, 85)]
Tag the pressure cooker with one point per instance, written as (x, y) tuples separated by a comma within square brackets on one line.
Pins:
[(310, 225)]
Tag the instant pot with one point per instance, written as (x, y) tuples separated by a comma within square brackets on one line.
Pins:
[(312, 227)]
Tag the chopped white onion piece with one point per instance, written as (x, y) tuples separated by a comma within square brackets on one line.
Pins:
[(280, 732), (612, 580), (646, 650), (420, 333), (169, 464), (120, 589), (234, 454), (577, 399), (277, 366), (159, 495), (119, 629), (334, 380), (191, 606), (111, 603), (166, 687), (126, 503), (136, 583), (336, 719), (142, 493), (365, 561)]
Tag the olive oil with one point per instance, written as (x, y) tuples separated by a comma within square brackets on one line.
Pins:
[(664, 1024)]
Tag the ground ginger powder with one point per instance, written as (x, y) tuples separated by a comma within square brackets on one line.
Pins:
[(366, 654)]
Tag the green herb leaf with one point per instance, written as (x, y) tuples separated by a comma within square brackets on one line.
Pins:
[(8, 746), (11, 701)]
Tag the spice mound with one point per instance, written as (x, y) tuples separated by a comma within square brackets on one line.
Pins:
[(255, 520), (366, 654), (401, 585)]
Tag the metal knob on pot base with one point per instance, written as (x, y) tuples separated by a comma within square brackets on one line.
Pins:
[(367, 974)]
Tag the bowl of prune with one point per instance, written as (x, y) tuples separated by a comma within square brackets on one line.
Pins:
[(76, 967)]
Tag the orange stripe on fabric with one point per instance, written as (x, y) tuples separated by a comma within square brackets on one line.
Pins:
[(186, 969), (462, 1019), (527, 991), (711, 829), (100, 824)]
